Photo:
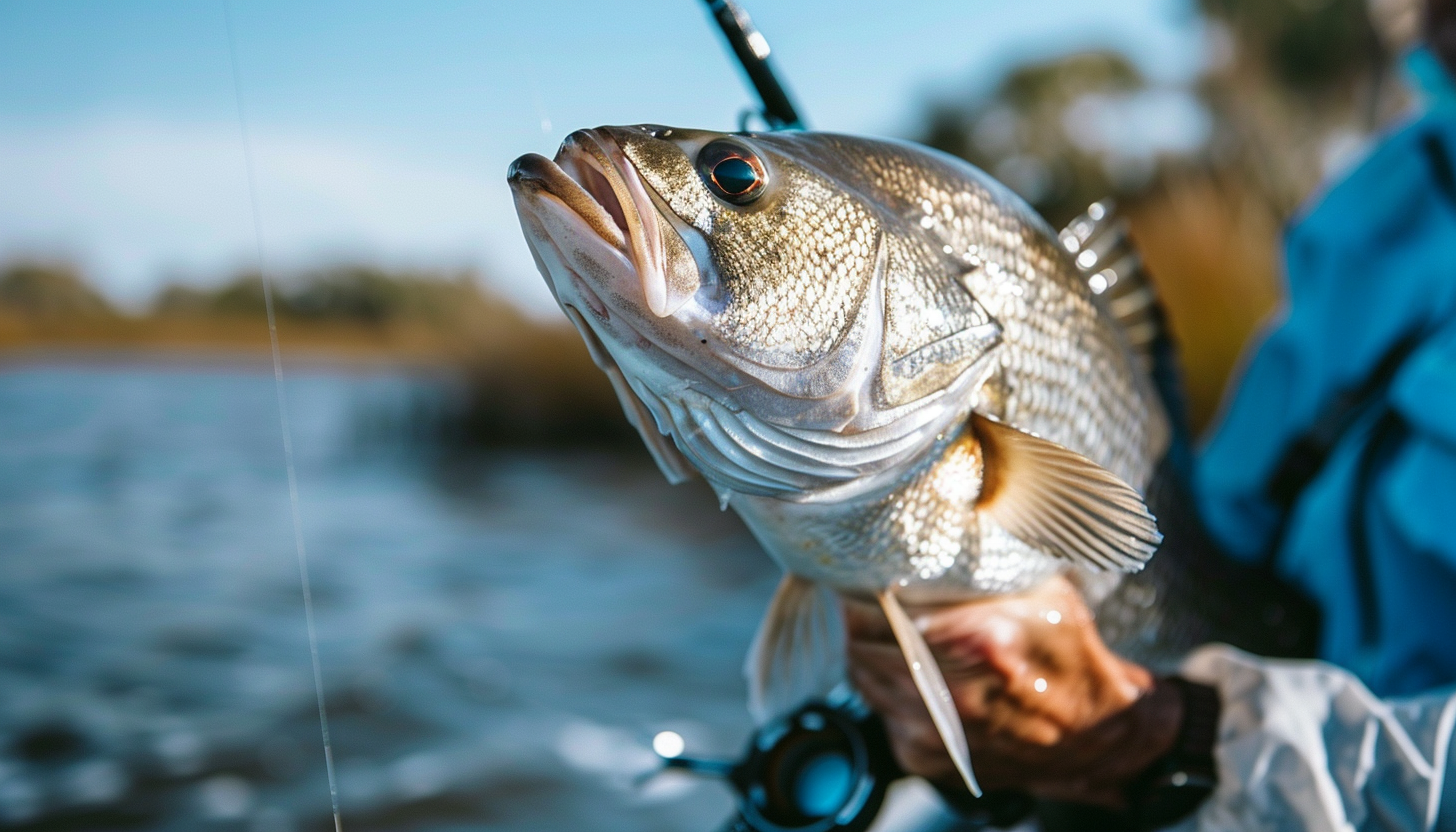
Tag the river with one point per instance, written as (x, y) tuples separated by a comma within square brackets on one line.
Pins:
[(501, 634)]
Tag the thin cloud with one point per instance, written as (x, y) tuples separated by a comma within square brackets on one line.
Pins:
[(140, 199)]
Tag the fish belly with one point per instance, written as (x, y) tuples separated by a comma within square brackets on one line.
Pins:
[(922, 538)]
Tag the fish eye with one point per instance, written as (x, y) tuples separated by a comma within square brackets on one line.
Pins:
[(732, 172)]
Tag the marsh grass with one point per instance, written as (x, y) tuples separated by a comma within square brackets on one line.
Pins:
[(1211, 247), (526, 382)]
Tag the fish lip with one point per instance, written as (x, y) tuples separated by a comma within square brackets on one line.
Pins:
[(593, 178), (544, 177)]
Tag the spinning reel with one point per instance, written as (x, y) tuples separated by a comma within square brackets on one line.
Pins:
[(823, 768)]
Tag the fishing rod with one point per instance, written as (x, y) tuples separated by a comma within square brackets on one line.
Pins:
[(752, 50)]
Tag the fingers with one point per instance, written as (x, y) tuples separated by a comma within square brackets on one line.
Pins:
[(920, 751), (1016, 665), (879, 673), (1036, 688), (864, 621)]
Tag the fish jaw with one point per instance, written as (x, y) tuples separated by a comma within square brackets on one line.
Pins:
[(590, 203), (590, 227)]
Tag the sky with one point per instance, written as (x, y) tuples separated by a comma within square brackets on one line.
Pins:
[(381, 131)]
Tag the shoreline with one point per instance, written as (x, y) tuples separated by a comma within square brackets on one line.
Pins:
[(227, 341), (214, 357)]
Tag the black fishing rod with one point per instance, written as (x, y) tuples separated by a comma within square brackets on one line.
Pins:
[(752, 51)]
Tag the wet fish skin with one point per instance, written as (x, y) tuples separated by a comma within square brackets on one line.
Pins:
[(882, 359), (976, 307)]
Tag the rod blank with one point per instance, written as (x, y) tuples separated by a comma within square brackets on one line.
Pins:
[(752, 51)]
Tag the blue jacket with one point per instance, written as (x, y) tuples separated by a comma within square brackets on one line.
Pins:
[(1372, 261)]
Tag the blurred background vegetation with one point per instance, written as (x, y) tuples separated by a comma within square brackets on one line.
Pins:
[(1208, 172), (528, 383)]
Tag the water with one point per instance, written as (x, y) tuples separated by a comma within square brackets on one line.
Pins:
[(501, 635)]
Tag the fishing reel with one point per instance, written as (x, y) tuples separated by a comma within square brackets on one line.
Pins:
[(823, 768)]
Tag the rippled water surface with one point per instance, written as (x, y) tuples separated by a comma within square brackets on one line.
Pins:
[(501, 634)]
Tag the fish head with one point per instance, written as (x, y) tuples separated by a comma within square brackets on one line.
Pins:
[(735, 289)]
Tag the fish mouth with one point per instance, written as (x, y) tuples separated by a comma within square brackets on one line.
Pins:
[(592, 181), (594, 235)]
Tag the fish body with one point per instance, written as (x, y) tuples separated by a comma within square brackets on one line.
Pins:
[(880, 357)]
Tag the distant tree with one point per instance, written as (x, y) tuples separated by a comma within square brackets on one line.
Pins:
[(358, 293), (243, 295), (1300, 86), (1440, 26), (1065, 132), (50, 289), (372, 294), (1292, 88), (1310, 48), (179, 299)]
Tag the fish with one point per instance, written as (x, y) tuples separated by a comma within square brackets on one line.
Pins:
[(880, 357)]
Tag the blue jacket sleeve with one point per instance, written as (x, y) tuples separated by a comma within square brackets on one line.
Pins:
[(1371, 263)]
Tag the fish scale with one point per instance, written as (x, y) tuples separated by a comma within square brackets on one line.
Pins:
[(889, 366), (1047, 332)]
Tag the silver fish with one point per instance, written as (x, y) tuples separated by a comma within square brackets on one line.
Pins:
[(879, 356)]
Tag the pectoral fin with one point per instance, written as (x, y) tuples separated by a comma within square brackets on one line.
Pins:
[(932, 687), (1061, 501), (798, 653)]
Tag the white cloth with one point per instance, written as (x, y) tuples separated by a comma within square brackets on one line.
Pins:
[(1305, 746)]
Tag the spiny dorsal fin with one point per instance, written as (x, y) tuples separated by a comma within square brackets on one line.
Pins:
[(1059, 500), (932, 687), (798, 653)]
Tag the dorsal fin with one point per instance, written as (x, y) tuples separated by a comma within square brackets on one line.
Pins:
[(1060, 501), (1103, 250)]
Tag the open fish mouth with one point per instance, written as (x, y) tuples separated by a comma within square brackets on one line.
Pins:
[(594, 224), (591, 185)]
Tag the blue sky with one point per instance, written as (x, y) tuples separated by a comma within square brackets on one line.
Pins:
[(382, 131)]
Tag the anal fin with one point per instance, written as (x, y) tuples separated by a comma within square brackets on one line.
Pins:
[(933, 689), (798, 653)]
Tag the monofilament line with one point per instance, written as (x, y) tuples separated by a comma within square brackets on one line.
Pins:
[(299, 548)]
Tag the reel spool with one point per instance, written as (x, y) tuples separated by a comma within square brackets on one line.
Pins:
[(823, 768)]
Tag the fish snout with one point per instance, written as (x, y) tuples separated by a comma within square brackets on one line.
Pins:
[(582, 141), (529, 171), (596, 162)]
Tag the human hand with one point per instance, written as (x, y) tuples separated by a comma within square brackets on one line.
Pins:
[(1047, 707)]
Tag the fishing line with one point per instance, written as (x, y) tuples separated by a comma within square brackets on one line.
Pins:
[(299, 548)]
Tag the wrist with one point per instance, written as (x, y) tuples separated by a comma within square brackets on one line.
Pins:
[(1176, 784), (1154, 722)]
